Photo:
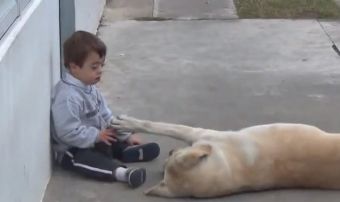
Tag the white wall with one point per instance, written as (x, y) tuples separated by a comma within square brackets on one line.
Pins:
[(88, 14), (29, 68), (29, 65)]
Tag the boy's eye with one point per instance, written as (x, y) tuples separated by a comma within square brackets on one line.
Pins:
[(96, 66)]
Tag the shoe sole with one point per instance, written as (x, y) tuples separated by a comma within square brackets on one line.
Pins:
[(137, 177), (149, 151)]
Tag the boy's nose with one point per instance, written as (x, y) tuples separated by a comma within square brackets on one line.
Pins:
[(100, 70)]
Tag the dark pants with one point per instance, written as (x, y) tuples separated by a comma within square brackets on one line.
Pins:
[(98, 162)]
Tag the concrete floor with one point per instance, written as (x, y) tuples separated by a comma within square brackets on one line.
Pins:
[(214, 74)]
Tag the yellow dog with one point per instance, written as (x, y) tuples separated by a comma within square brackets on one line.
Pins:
[(219, 163)]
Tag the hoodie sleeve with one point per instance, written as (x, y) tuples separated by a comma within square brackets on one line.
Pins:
[(105, 111), (108, 116), (68, 127)]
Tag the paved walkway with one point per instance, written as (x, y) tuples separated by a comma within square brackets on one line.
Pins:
[(337, 1), (214, 74), (170, 9)]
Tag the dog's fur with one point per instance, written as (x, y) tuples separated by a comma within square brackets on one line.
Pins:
[(261, 157)]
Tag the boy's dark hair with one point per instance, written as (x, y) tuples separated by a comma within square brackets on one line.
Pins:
[(79, 45)]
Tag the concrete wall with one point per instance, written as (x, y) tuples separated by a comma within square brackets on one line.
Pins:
[(29, 66), (88, 14)]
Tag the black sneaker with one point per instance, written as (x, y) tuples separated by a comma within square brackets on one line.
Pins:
[(136, 176), (140, 153)]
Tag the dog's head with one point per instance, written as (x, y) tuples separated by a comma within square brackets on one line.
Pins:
[(181, 168)]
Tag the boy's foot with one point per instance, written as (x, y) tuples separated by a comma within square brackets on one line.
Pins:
[(135, 176), (140, 153)]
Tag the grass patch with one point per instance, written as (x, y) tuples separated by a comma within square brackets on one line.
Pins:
[(287, 9)]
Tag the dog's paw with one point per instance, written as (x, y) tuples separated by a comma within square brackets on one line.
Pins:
[(160, 190), (124, 122), (122, 117)]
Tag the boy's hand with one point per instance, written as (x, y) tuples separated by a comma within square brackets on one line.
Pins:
[(134, 140), (107, 136)]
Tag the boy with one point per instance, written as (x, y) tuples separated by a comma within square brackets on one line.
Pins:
[(82, 138)]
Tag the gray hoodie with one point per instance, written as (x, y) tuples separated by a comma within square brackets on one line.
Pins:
[(79, 113)]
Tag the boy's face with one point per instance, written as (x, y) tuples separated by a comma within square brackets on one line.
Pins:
[(91, 70)]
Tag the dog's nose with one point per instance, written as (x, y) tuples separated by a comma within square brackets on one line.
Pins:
[(171, 152)]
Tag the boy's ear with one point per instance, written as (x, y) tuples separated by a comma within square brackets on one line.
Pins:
[(73, 65), (194, 155)]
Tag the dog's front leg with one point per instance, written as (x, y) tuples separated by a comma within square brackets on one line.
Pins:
[(185, 133)]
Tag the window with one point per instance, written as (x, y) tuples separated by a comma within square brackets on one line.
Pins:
[(9, 11), (22, 4)]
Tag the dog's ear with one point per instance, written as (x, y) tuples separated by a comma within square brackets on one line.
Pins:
[(160, 190), (194, 155)]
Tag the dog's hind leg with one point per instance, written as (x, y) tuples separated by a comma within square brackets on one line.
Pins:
[(182, 132)]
